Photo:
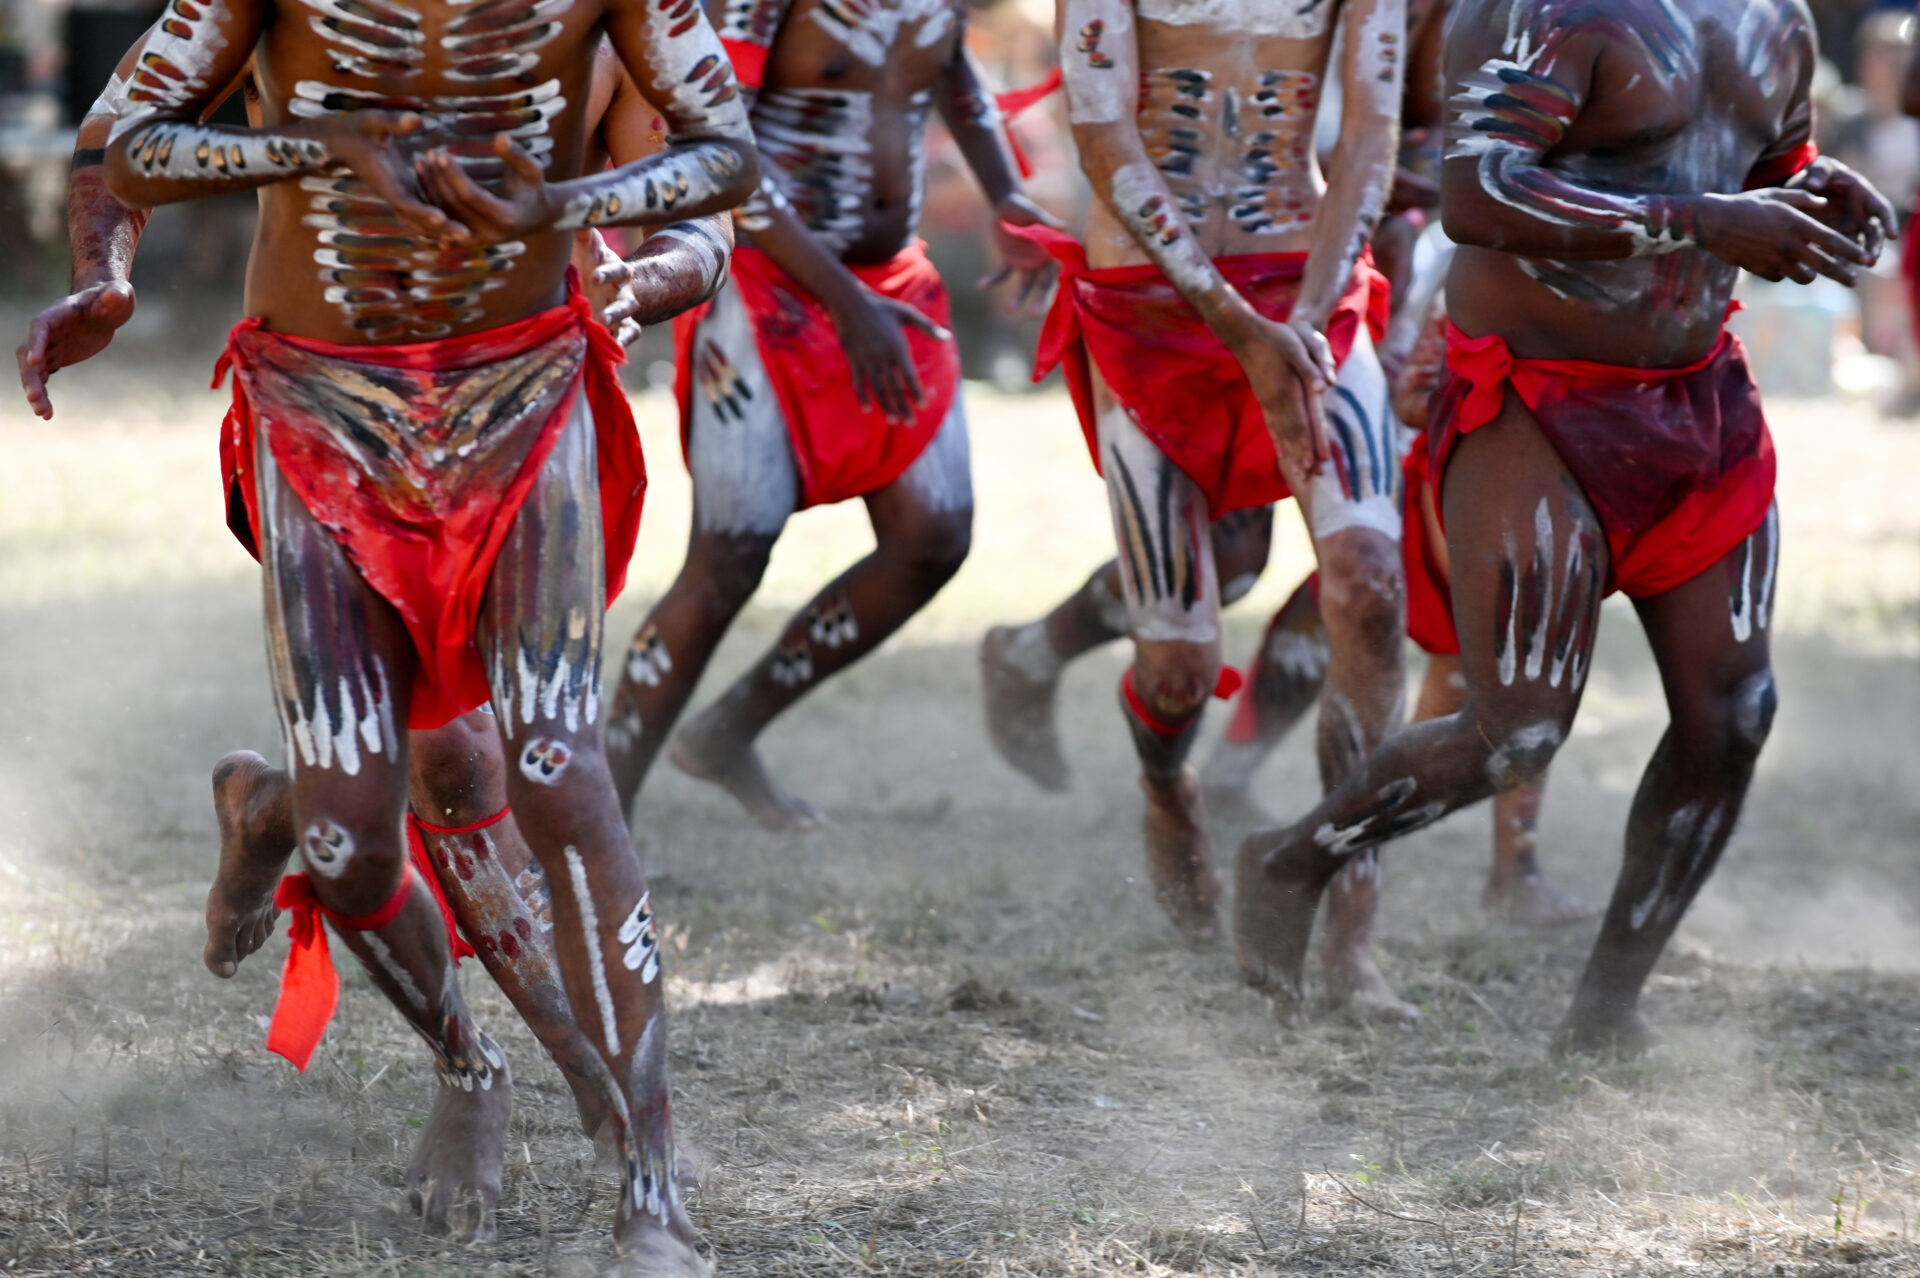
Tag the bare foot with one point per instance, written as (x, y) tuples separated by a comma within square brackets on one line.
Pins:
[(702, 751), (649, 1248), (1020, 715), (453, 1179), (249, 797), (1356, 987), (1533, 901), (1179, 860), (1609, 1033), (1277, 884)]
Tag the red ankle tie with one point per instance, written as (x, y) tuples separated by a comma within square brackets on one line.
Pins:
[(1229, 683), (309, 987)]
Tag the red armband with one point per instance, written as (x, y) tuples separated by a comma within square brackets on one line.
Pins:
[(309, 987), (1777, 170)]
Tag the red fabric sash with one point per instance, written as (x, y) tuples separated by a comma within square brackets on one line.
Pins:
[(1782, 167), (309, 987), (1677, 462), (1013, 103), (432, 560), (843, 448), (1171, 373)]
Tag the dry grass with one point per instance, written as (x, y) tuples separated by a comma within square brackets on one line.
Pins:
[(950, 1035)]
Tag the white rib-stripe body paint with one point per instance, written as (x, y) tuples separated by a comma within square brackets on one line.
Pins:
[(1288, 19), (596, 959), (868, 30)]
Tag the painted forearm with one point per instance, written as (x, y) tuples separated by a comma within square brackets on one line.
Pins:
[(680, 266), (102, 232), (164, 161), (778, 232), (973, 118), (691, 179)]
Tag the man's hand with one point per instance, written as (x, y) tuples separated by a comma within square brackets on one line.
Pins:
[(1289, 366), (609, 283), (1854, 207), (1033, 264), (873, 333), (74, 329), (364, 142), (1777, 233), (525, 204)]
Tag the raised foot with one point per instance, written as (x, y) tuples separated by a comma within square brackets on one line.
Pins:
[(453, 1179), (1533, 902), (1617, 1034), (1020, 713), (1277, 885), (254, 847), (646, 1247), (1179, 857), (1356, 987), (706, 754)]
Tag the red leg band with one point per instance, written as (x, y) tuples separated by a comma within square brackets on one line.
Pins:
[(417, 849), (309, 987)]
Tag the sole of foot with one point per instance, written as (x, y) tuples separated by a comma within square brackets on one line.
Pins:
[(1361, 993), (453, 1178), (1180, 857), (736, 768), (1534, 902), (1020, 715), (240, 910), (649, 1248), (1276, 889)]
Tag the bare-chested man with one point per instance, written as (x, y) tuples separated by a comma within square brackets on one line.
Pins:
[(1221, 285), (821, 372), (1608, 170), (496, 891), (434, 459)]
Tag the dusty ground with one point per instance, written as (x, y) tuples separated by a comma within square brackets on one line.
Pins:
[(951, 1035)]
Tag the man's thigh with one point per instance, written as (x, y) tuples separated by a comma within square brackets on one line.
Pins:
[(1710, 637), (1360, 487), (940, 480), (1162, 525), (745, 480)]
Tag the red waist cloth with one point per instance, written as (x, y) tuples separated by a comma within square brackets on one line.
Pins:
[(1423, 552), (842, 448), (1178, 381), (417, 458), (1676, 462)]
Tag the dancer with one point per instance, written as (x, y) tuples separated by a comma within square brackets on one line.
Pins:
[(822, 372), (432, 454), (1222, 284), (1608, 171)]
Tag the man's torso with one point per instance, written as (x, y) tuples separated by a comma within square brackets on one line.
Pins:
[(330, 261), (1229, 94), (841, 115), (1686, 95)]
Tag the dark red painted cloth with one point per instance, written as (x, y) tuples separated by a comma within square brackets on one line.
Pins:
[(309, 987), (1676, 462), (1423, 552), (1169, 371), (1779, 169), (842, 447), (418, 475)]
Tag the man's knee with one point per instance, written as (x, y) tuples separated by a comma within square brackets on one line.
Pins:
[(1241, 544), (455, 769), (1363, 587), (933, 547), (1519, 748), (1173, 680), (729, 566), (1730, 728), (354, 863)]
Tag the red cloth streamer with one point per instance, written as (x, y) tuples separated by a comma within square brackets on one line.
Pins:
[(417, 849), (1013, 103), (1224, 687), (309, 987), (1677, 462), (1777, 170), (1171, 372), (842, 447), (749, 61)]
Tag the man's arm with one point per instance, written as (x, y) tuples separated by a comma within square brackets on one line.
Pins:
[(675, 58), (1371, 79), (1288, 370), (1507, 118)]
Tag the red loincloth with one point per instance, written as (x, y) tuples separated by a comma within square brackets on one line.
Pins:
[(416, 459), (1676, 462), (1178, 381), (1423, 553), (842, 448)]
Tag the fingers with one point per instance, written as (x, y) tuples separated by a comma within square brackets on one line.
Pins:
[(33, 376), (524, 166), (401, 188), (993, 279), (1320, 449), (910, 315), (627, 333)]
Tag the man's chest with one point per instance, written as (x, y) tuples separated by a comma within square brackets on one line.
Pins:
[(444, 48), (862, 43)]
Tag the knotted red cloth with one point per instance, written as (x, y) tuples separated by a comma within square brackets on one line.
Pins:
[(842, 447), (1169, 371), (460, 428), (1677, 462), (309, 987)]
